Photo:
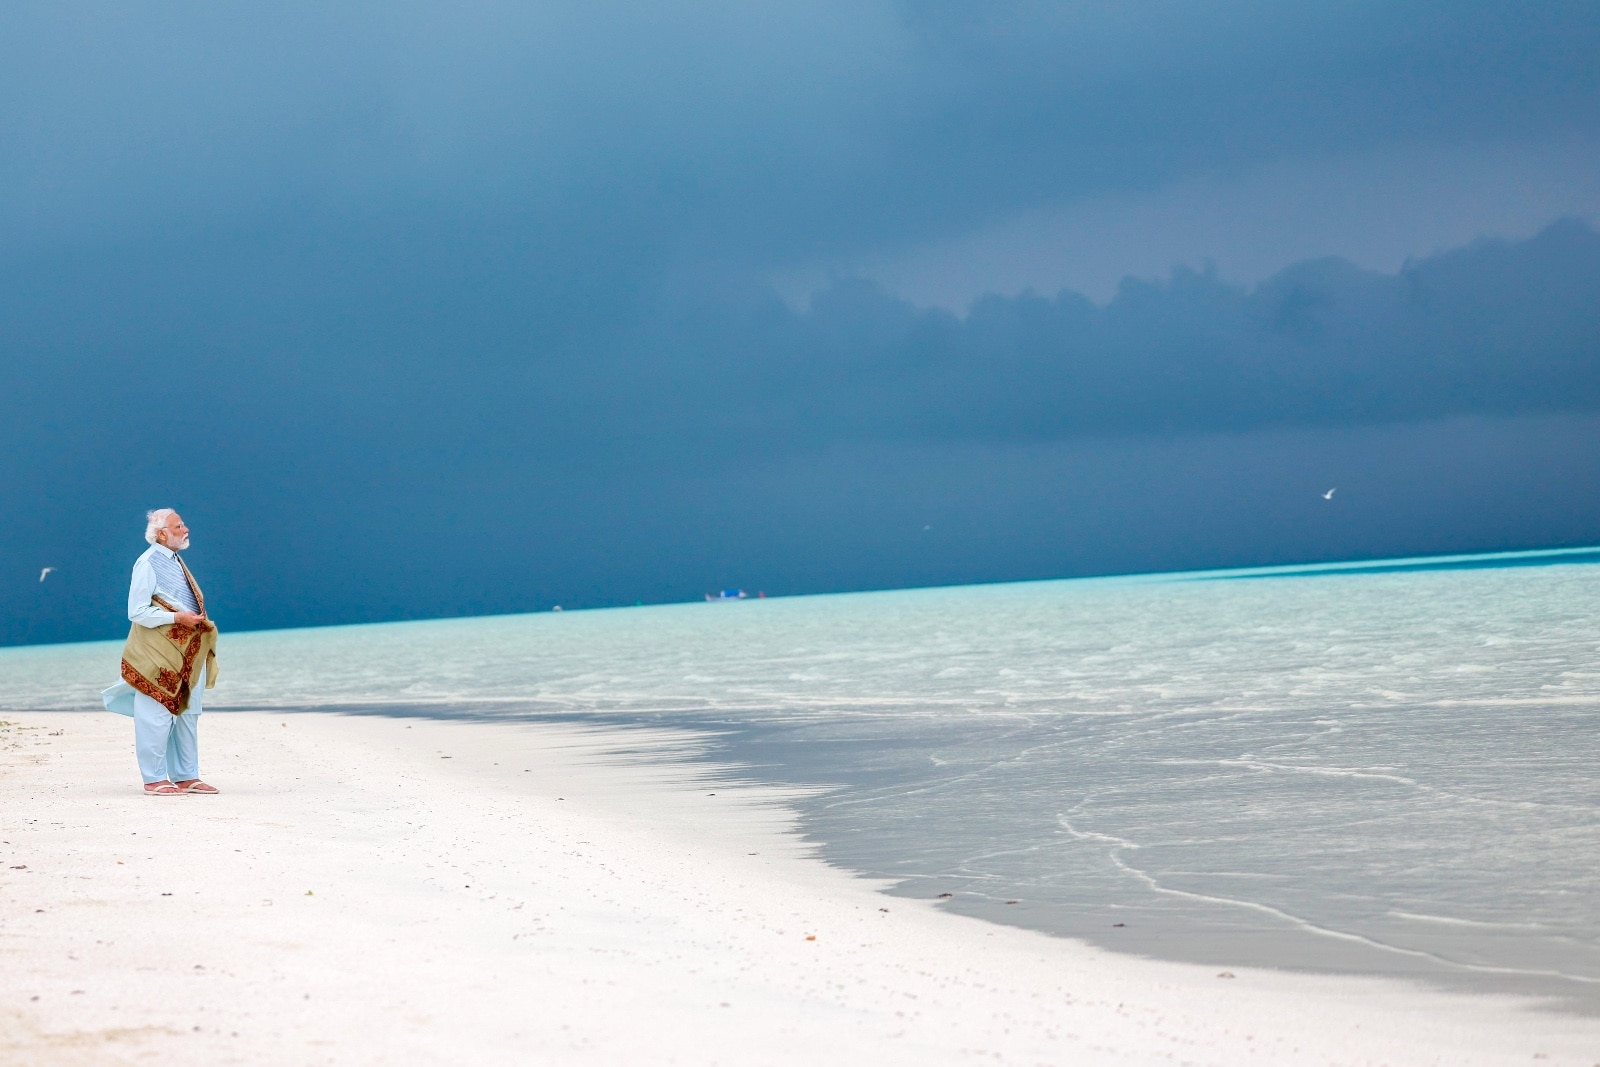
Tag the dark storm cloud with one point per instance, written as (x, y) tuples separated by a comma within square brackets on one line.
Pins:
[(1495, 328), (428, 309), (337, 413), (737, 131)]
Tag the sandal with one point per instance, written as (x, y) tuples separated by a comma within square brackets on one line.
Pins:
[(197, 786), (161, 789)]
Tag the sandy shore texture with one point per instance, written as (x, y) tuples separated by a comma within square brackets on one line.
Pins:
[(378, 890)]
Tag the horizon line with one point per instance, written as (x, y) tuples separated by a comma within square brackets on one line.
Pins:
[(1393, 564)]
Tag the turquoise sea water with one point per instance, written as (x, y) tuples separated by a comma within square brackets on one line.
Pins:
[(1377, 769)]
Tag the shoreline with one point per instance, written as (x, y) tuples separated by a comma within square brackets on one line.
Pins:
[(371, 889)]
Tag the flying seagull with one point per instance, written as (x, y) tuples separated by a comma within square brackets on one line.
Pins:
[(1329, 494), (44, 572)]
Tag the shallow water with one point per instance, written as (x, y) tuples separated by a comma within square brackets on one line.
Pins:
[(1380, 771)]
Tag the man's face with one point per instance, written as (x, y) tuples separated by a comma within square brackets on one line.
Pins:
[(175, 535)]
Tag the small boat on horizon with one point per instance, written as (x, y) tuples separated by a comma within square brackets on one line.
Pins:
[(727, 594)]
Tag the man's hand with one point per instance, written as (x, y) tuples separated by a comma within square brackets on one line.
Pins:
[(190, 619)]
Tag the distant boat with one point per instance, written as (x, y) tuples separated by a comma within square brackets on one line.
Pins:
[(727, 594)]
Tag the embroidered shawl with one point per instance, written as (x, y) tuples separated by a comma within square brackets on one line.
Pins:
[(162, 662)]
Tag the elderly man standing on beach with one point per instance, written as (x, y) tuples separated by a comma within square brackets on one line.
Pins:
[(170, 659)]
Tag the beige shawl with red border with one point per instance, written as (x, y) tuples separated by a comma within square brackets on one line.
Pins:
[(162, 662)]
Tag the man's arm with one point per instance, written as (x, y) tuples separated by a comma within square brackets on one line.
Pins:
[(140, 609)]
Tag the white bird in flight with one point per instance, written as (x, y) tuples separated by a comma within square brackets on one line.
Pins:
[(44, 572), (1329, 494)]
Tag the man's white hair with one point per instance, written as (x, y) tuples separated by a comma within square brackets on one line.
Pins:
[(155, 521)]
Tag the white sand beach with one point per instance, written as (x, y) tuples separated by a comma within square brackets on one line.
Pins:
[(409, 891)]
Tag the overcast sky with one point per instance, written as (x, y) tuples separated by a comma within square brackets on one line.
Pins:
[(422, 309)]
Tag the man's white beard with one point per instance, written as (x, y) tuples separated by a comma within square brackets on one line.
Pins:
[(178, 546)]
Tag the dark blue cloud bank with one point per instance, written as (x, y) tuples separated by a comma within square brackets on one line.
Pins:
[(419, 313)]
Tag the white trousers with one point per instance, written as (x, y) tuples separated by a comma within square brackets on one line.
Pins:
[(168, 745)]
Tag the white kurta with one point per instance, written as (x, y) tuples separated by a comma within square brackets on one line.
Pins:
[(166, 745)]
